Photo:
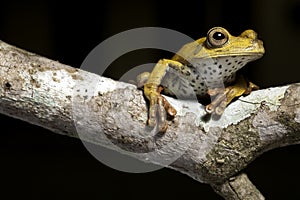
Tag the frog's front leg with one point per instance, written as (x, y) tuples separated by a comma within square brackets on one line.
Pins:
[(224, 96), (152, 90)]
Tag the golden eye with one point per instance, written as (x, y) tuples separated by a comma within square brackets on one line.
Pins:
[(217, 37)]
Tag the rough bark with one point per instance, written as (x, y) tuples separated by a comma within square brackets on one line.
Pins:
[(238, 188), (113, 114)]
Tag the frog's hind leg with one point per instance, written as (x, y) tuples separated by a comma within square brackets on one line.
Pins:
[(225, 95)]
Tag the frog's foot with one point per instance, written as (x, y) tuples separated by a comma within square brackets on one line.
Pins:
[(251, 87), (223, 96), (159, 109), (158, 104)]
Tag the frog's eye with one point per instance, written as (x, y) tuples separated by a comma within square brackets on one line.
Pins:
[(216, 37)]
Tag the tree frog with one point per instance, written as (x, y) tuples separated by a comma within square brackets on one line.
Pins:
[(205, 67)]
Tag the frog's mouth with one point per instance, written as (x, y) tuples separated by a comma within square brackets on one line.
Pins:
[(250, 55), (256, 47), (255, 50)]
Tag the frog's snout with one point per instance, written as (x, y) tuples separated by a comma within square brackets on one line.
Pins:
[(255, 42), (260, 45), (249, 34)]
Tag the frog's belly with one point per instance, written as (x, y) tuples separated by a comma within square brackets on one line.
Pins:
[(181, 87), (192, 85)]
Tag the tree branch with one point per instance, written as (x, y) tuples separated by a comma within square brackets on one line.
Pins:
[(238, 188), (113, 114)]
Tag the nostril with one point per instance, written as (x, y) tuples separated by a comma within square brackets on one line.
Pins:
[(249, 34)]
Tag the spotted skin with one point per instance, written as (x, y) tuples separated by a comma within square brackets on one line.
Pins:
[(195, 80)]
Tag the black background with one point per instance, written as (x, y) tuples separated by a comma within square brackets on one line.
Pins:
[(37, 164)]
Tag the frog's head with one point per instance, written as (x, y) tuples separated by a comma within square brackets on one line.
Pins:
[(220, 43)]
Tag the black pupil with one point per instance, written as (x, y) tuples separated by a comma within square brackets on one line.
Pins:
[(218, 36)]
